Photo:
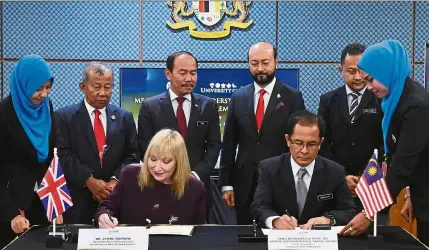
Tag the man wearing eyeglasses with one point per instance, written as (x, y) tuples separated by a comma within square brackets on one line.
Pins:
[(300, 187)]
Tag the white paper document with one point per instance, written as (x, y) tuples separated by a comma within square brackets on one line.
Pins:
[(336, 229), (302, 240), (119, 238), (171, 230)]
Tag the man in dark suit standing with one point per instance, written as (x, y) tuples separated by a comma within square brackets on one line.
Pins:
[(301, 188), (256, 123), (95, 141), (194, 116), (353, 120)]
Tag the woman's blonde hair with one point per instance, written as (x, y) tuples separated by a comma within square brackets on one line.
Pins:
[(167, 142)]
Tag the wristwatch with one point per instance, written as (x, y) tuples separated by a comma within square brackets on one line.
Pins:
[(332, 219)]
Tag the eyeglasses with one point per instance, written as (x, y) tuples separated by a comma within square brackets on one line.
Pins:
[(300, 145)]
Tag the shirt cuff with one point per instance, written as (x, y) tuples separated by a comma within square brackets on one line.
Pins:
[(114, 178), (227, 188), (269, 221), (196, 175)]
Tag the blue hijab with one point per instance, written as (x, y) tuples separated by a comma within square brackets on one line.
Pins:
[(30, 74), (389, 64)]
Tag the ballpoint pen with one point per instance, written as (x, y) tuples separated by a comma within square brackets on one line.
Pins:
[(110, 216)]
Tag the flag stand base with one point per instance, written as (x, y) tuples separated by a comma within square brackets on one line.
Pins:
[(375, 243), (55, 241)]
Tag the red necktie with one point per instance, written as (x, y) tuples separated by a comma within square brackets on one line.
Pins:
[(260, 109), (100, 137), (180, 116)]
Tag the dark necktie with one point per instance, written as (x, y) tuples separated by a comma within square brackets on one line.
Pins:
[(301, 190), (353, 105), (100, 136), (260, 109), (180, 116)]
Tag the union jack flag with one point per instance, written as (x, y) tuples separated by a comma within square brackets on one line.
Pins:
[(53, 191)]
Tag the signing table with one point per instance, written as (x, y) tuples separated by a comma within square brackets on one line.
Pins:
[(222, 237)]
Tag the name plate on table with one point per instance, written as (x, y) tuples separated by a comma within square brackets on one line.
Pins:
[(302, 240), (119, 238)]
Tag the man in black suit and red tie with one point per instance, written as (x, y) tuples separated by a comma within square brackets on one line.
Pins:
[(256, 123), (194, 116), (353, 120), (95, 141)]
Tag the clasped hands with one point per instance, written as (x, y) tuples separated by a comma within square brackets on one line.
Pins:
[(286, 222), (100, 190)]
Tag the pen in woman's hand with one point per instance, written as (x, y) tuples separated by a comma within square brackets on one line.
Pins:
[(110, 216)]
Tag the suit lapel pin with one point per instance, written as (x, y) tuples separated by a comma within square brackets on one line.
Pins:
[(278, 96), (196, 105), (394, 139), (113, 117)]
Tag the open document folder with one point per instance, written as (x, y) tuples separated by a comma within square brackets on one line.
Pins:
[(184, 230), (337, 229)]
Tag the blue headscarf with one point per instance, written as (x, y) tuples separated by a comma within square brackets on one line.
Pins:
[(30, 74), (389, 64)]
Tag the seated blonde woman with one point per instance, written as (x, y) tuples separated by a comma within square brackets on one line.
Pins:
[(160, 189)]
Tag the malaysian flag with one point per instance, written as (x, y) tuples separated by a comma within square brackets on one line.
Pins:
[(53, 191), (372, 189)]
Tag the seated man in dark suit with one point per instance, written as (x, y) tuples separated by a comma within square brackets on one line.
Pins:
[(194, 116), (95, 141), (301, 188)]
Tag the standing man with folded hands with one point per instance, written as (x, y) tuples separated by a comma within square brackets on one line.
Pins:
[(255, 124), (95, 141)]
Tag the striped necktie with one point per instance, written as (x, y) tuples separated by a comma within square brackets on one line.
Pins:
[(353, 106)]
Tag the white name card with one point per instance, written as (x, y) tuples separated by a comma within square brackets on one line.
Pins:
[(302, 240), (119, 238)]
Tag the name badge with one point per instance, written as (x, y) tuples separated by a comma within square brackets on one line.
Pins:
[(369, 111), (325, 197), (202, 123)]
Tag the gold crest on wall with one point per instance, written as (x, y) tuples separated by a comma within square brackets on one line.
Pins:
[(209, 13)]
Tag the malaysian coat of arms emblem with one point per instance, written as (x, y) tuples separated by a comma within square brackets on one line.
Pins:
[(209, 13)]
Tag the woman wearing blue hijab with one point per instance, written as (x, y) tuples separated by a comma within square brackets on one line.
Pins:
[(405, 104), (27, 139)]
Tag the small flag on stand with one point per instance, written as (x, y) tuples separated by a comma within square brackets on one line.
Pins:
[(53, 191), (372, 189)]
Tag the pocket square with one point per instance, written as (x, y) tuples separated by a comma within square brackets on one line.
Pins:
[(280, 106)]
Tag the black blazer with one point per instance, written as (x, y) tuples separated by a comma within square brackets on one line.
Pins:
[(240, 130), (351, 145), (408, 142), (77, 147), (19, 165), (328, 191), (203, 134)]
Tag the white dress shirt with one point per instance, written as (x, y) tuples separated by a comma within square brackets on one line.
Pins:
[(269, 90), (267, 95), (103, 119), (306, 178), (186, 104), (350, 97), (92, 115), (186, 109)]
